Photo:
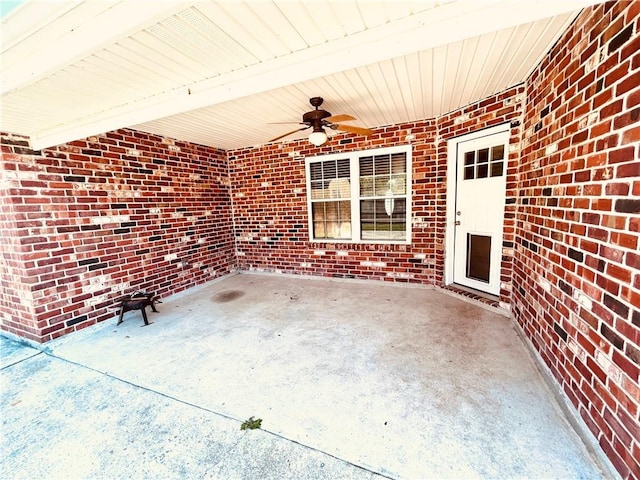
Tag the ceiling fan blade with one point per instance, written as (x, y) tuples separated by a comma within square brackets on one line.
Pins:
[(287, 134), (340, 118), (359, 130)]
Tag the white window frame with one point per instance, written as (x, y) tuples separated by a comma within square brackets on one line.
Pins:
[(354, 178)]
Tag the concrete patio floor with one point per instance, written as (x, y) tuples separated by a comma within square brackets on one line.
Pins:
[(351, 380)]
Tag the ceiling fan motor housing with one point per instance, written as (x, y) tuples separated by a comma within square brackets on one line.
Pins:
[(314, 118)]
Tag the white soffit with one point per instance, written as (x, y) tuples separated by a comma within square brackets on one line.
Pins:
[(216, 73)]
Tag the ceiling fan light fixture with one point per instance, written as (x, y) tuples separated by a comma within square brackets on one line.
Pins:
[(318, 138)]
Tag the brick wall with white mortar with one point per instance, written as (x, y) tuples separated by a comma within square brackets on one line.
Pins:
[(86, 222), (271, 221), (270, 203), (577, 266)]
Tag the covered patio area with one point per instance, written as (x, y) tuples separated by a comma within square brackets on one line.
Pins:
[(351, 380)]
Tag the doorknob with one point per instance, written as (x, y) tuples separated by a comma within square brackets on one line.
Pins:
[(458, 213)]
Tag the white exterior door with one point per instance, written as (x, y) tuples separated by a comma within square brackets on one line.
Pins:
[(481, 168)]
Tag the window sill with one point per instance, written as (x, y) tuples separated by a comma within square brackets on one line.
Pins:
[(359, 242)]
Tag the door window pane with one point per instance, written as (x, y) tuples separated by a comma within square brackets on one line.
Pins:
[(496, 169), (468, 172), (497, 153), (497, 161), (470, 158), (483, 155)]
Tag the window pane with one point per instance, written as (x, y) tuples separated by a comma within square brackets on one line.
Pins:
[(382, 164), (329, 169), (366, 186), (383, 175), (483, 171), (332, 220), (398, 184), (315, 170), (399, 163), (381, 186), (330, 179), (339, 188), (317, 190), (366, 166), (344, 168), (383, 219), (496, 169)]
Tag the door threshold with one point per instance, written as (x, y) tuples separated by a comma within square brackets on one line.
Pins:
[(473, 291), (483, 298)]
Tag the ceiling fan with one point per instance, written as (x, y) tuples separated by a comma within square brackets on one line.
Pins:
[(318, 119)]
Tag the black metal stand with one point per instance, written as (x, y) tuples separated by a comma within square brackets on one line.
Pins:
[(137, 301)]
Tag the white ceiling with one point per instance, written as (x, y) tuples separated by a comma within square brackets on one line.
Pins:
[(217, 72)]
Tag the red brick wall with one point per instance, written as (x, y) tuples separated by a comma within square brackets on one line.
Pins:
[(270, 203), (577, 265), (86, 222), (270, 212)]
